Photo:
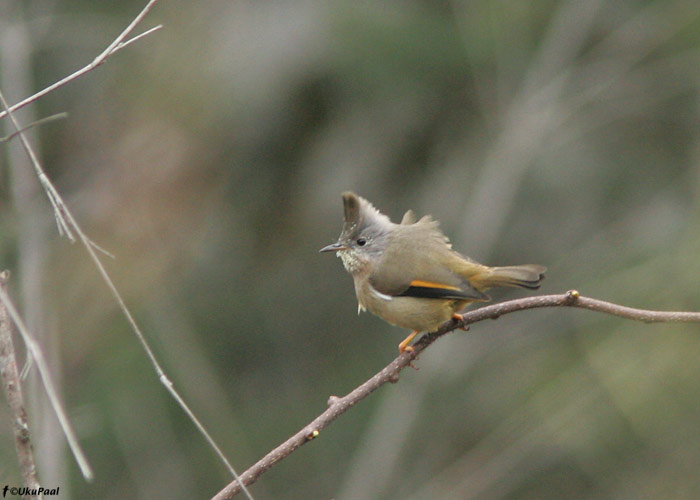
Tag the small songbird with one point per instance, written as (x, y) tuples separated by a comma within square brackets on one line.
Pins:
[(408, 274)]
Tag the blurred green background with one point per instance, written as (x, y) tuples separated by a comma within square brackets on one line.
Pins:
[(209, 158)]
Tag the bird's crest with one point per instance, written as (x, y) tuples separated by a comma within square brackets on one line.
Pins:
[(360, 213)]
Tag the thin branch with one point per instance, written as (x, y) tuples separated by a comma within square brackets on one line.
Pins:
[(40, 121), (56, 201), (32, 346), (51, 392), (67, 225), (337, 406), (13, 391), (116, 45), (121, 45)]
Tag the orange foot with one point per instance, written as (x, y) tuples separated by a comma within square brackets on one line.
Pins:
[(458, 317), (403, 346)]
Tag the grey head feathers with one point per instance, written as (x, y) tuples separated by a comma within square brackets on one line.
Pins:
[(408, 218), (361, 216), (367, 233), (364, 233)]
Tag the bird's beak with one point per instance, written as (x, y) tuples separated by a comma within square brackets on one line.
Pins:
[(333, 247)]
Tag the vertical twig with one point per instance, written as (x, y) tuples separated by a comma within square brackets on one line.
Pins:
[(17, 46), (68, 226), (13, 392), (51, 391)]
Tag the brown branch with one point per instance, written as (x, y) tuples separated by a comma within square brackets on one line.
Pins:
[(117, 44), (390, 373), (68, 226), (13, 392), (36, 123)]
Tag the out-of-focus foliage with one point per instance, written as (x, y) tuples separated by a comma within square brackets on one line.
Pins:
[(209, 159)]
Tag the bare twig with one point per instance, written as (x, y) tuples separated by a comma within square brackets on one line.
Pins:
[(56, 201), (68, 226), (36, 123), (118, 44), (51, 392), (13, 391), (337, 406)]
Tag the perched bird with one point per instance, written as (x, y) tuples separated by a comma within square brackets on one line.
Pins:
[(408, 274)]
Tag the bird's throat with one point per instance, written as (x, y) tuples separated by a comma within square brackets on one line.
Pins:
[(352, 262)]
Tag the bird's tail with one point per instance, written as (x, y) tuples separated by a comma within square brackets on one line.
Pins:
[(525, 276)]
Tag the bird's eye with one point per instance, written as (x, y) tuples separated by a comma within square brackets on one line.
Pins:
[(361, 241)]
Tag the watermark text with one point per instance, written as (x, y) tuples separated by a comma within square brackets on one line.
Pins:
[(23, 491)]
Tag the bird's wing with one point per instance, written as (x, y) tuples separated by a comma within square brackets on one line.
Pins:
[(434, 290), (418, 263)]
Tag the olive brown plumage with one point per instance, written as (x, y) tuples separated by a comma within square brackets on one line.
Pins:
[(409, 275)]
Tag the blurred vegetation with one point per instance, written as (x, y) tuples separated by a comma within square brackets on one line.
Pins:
[(209, 158)]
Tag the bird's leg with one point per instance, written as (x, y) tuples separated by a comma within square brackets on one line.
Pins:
[(403, 346), (458, 317)]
